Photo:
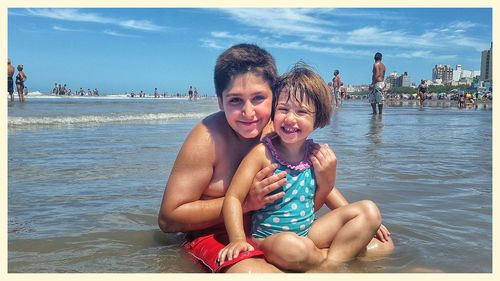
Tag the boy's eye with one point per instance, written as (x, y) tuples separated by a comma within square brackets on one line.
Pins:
[(234, 100), (259, 98)]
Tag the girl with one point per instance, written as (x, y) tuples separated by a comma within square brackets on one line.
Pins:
[(286, 230)]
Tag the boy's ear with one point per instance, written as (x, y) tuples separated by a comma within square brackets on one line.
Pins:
[(221, 104)]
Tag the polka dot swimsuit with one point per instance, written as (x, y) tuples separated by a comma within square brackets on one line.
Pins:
[(295, 211)]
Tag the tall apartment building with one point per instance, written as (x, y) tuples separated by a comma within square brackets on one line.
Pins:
[(403, 80), (486, 62), (392, 80), (442, 72)]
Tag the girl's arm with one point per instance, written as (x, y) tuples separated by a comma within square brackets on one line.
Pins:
[(232, 208), (233, 203), (335, 199), (325, 170)]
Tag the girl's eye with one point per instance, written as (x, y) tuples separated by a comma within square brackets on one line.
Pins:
[(282, 109), (303, 112)]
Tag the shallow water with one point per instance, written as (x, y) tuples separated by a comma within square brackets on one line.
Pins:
[(86, 177)]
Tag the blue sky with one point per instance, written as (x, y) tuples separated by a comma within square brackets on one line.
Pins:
[(122, 49)]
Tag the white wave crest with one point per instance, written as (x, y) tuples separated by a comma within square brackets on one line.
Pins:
[(97, 119)]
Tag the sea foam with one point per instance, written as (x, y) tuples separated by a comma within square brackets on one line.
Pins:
[(99, 119)]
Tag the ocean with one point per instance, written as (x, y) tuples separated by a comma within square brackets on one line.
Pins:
[(86, 177)]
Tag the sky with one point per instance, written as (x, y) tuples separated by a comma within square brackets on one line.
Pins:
[(118, 50)]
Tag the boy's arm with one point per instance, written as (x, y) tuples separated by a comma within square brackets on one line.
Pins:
[(181, 208), (232, 208)]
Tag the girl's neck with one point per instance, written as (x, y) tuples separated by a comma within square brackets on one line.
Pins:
[(290, 152)]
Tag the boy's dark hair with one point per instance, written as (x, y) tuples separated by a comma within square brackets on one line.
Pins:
[(303, 83), (241, 59), (378, 56)]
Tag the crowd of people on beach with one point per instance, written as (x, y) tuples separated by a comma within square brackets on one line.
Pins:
[(63, 90), (20, 80), (191, 94)]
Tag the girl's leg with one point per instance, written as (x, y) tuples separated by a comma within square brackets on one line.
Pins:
[(289, 251), (346, 231), (376, 249)]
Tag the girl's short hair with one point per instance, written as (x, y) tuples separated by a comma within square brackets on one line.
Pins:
[(303, 83)]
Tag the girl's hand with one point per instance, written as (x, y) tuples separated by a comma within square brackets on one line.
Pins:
[(383, 234), (264, 183), (325, 165), (232, 250)]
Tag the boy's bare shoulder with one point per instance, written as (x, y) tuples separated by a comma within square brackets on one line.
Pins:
[(212, 127), (203, 137)]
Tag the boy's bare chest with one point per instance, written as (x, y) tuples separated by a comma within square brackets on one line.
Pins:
[(226, 164)]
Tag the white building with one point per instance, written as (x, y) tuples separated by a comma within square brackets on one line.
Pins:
[(461, 75)]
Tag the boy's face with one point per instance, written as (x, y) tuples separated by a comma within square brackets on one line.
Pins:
[(247, 104)]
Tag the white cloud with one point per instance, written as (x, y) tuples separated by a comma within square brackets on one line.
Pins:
[(423, 55), (68, 15), (117, 34), (282, 21), (141, 25), (77, 15), (224, 39), (319, 27), (64, 29), (211, 44), (235, 37)]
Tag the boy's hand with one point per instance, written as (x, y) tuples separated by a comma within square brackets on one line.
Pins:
[(232, 250), (264, 183)]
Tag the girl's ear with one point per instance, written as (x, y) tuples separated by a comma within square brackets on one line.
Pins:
[(221, 104)]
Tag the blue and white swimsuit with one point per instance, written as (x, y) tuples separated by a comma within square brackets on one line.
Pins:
[(295, 211)]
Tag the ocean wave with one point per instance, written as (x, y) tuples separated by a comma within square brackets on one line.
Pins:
[(40, 95), (99, 119)]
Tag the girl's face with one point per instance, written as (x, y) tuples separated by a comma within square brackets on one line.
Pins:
[(247, 104), (293, 121)]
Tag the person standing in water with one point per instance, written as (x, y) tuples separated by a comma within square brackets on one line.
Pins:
[(377, 85), (10, 80), (20, 78), (422, 92), (336, 87)]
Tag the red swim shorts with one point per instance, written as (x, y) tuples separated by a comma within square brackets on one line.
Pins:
[(204, 247)]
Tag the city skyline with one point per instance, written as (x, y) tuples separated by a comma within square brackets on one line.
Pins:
[(119, 50)]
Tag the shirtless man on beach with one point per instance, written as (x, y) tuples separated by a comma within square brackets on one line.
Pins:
[(10, 80), (377, 85), (194, 193)]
